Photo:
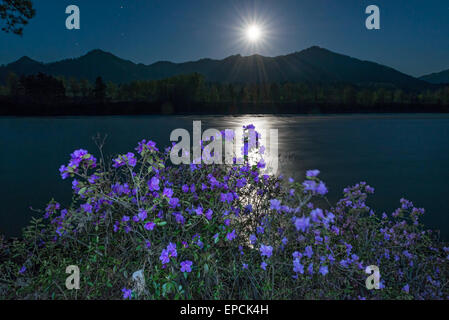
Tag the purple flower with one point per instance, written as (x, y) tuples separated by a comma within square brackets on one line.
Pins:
[(131, 160), (297, 254), (179, 218), (144, 145), (120, 189), (87, 207), (309, 185), (344, 263), (22, 270), (263, 265), (230, 197), (118, 162), (199, 211), (172, 249), (75, 185), (208, 214), (64, 171), (142, 214), (315, 188), (93, 178), (406, 204), (324, 270), (266, 250), (297, 266), (127, 293), (153, 184), (302, 224), (321, 189), (213, 182), (79, 158), (231, 235), (275, 205), (406, 288), (316, 214), (167, 192), (150, 226), (186, 266), (252, 238), (308, 252), (312, 173), (244, 266), (241, 183), (167, 253), (185, 188), (310, 268), (123, 160), (173, 203)]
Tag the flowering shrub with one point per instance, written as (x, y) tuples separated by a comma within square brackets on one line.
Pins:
[(218, 232)]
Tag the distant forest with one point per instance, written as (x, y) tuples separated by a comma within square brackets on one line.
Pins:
[(187, 93)]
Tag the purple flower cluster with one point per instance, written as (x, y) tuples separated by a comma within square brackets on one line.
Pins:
[(123, 160), (80, 159), (145, 146), (169, 252), (315, 187), (236, 215)]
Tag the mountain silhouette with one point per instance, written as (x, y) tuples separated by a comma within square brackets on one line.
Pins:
[(312, 65), (437, 78)]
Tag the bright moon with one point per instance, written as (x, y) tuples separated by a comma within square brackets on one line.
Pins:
[(253, 33)]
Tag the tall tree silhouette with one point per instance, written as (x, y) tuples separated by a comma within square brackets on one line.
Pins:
[(100, 89), (16, 14)]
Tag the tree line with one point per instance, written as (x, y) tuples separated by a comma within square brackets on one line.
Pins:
[(189, 89)]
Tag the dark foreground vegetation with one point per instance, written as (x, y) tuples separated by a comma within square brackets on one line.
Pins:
[(46, 95), (142, 228)]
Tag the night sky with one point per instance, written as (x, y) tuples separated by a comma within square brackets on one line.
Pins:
[(414, 35)]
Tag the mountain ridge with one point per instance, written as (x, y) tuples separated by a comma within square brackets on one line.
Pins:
[(311, 65), (441, 77)]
